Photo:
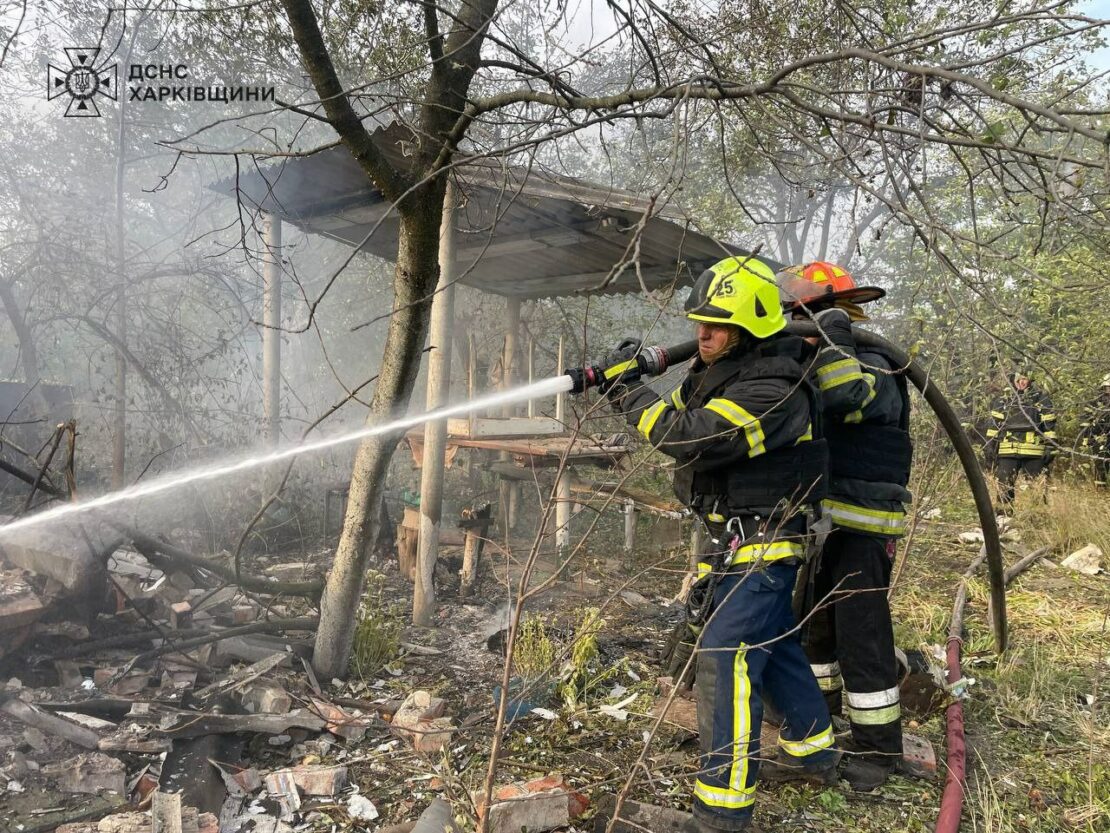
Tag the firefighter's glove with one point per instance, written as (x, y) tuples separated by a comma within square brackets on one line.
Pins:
[(620, 368), (836, 328), (678, 653)]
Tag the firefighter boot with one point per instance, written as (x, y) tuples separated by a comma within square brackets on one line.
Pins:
[(865, 774), (781, 769)]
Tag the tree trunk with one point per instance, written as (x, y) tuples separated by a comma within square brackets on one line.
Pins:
[(28, 355), (413, 281)]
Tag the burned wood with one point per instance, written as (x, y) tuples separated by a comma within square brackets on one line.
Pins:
[(165, 812), (191, 638), (195, 724), (57, 439), (307, 623), (43, 721), (18, 473), (242, 677), (157, 551), (100, 807), (109, 708)]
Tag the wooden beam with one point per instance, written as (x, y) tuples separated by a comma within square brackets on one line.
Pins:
[(271, 323), (435, 433)]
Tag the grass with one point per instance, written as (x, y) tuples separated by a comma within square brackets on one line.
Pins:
[(1038, 731), (378, 632)]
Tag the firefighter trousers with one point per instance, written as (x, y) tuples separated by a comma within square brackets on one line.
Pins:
[(752, 607), (1010, 467), (850, 640)]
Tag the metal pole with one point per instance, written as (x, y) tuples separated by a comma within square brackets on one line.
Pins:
[(435, 433), (560, 398), (629, 525), (562, 517), (271, 322)]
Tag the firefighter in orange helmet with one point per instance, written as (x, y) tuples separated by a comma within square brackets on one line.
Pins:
[(865, 409)]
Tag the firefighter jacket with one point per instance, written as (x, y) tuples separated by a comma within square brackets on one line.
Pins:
[(1023, 424), (1094, 428), (744, 433), (866, 410)]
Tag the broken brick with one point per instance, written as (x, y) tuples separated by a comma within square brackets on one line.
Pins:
[(683, 710), (534, 812), (918, 757), (339, 722), (181, 615), (266, 698), (89, 774), (312, 780), (420, 720)]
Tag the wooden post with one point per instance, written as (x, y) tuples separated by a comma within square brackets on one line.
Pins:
[(165, 812), (562, 518), (471, 373), (271, 322), (531, 374), (561, 398), (697, 543), (629, 525), (435, 433), (510, 490)]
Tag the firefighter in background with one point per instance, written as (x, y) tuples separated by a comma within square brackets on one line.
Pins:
[(742, 427), (850, 637), (1094, 433), (1022, 436)]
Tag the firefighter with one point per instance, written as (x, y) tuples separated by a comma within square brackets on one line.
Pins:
[(742, 429), (1094, 433), (1022, 435), (866, 410)]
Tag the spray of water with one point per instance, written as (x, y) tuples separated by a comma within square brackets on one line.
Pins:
[(167, 482)]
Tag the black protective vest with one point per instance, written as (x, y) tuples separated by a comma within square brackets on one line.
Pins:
[(776, 480), (870, 451)]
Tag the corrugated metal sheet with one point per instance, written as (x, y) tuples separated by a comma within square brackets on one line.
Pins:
[(522, 232)]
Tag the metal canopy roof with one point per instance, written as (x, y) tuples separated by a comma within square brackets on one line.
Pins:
[(521, 233)]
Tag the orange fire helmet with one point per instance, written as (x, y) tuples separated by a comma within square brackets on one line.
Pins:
[(820, 284)]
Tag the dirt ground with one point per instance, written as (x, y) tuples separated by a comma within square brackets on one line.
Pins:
[(1038, 731)]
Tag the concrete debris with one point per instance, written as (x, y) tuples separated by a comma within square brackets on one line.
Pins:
[(635, 817), (310, 780), (97, 724), (266, 698), (541, 804), (974, 536), (139, 822), (89, 774), (35, 739), (51, 724), (68, 554), (362, 808), (20, 606), (1086, 560)]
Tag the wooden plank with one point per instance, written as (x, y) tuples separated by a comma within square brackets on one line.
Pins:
[(165, 812), (504, 427)]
